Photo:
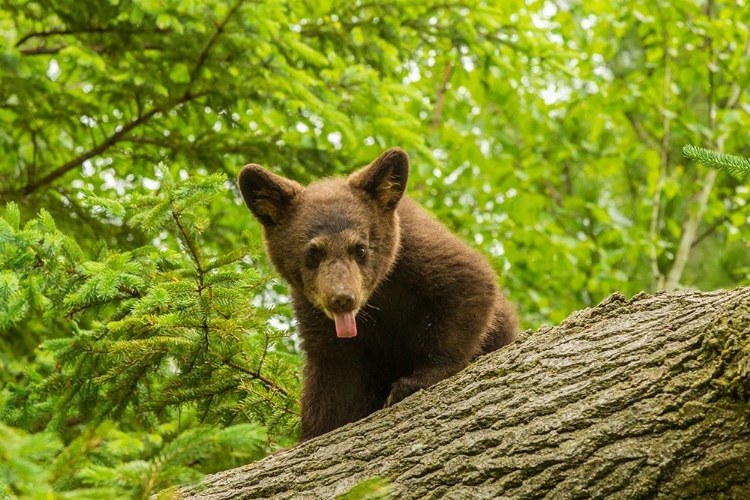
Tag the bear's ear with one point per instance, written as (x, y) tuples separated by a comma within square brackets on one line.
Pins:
[(385, 178), (266, 194)]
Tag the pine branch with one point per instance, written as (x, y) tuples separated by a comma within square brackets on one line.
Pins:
[(256, 375), (735, 166)]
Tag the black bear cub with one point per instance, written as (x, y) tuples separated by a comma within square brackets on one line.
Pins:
[(388, 301)]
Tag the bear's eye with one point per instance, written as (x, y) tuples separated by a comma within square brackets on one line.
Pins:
[(360, 251), (312, 257)]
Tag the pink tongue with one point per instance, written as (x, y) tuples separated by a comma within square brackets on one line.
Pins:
[(346, 325)]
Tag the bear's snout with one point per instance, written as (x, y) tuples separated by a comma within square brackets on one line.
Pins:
[(342, 300)]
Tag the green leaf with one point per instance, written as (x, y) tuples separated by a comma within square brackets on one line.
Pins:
[(306, 52), (179, 73)]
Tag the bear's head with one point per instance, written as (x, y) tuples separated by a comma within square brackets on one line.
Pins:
[(336, 239)]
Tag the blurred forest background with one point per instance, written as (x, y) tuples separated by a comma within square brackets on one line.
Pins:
[(144, 339)]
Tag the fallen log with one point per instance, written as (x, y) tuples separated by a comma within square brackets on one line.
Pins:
[(636, 398)]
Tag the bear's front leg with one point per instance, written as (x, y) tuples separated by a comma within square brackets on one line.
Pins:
[(421, 379), (337, 389), (453, 337)]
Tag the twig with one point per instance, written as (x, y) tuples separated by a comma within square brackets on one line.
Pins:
[(42, 51), (193, 250), (440, 99), (718, 222), (257, 376), (642, 134), (657, 278), (134, 294)]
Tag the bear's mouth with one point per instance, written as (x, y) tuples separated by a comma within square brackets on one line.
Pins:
[(346, 324)]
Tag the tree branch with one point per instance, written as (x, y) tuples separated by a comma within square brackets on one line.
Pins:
[(77, 161), (219, 30), (45, 34), (642, 134), (141, 119), (42, 51)]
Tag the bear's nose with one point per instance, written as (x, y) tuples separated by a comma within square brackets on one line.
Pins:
[(343, 300)]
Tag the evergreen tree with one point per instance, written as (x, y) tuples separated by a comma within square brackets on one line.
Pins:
[(169, 368)]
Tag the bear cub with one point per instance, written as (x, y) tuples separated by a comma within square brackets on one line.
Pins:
[(388, 301)]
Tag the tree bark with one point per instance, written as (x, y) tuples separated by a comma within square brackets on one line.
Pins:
[(640, 398)]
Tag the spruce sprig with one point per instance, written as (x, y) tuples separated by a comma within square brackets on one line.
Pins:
[(735, 166)]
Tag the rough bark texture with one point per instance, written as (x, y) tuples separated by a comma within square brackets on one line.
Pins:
[(636, 398)]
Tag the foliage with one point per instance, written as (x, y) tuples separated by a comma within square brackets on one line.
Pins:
[(164, 342), (370, 489), (473, 90), (733, 165), (105, 462), (547, 134)]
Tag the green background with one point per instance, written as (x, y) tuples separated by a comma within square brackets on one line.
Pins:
[(144, 338)]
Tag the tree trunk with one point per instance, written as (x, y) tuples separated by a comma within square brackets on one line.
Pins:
[(636, 398)]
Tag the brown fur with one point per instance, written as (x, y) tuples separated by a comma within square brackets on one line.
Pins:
[(427, 303)]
